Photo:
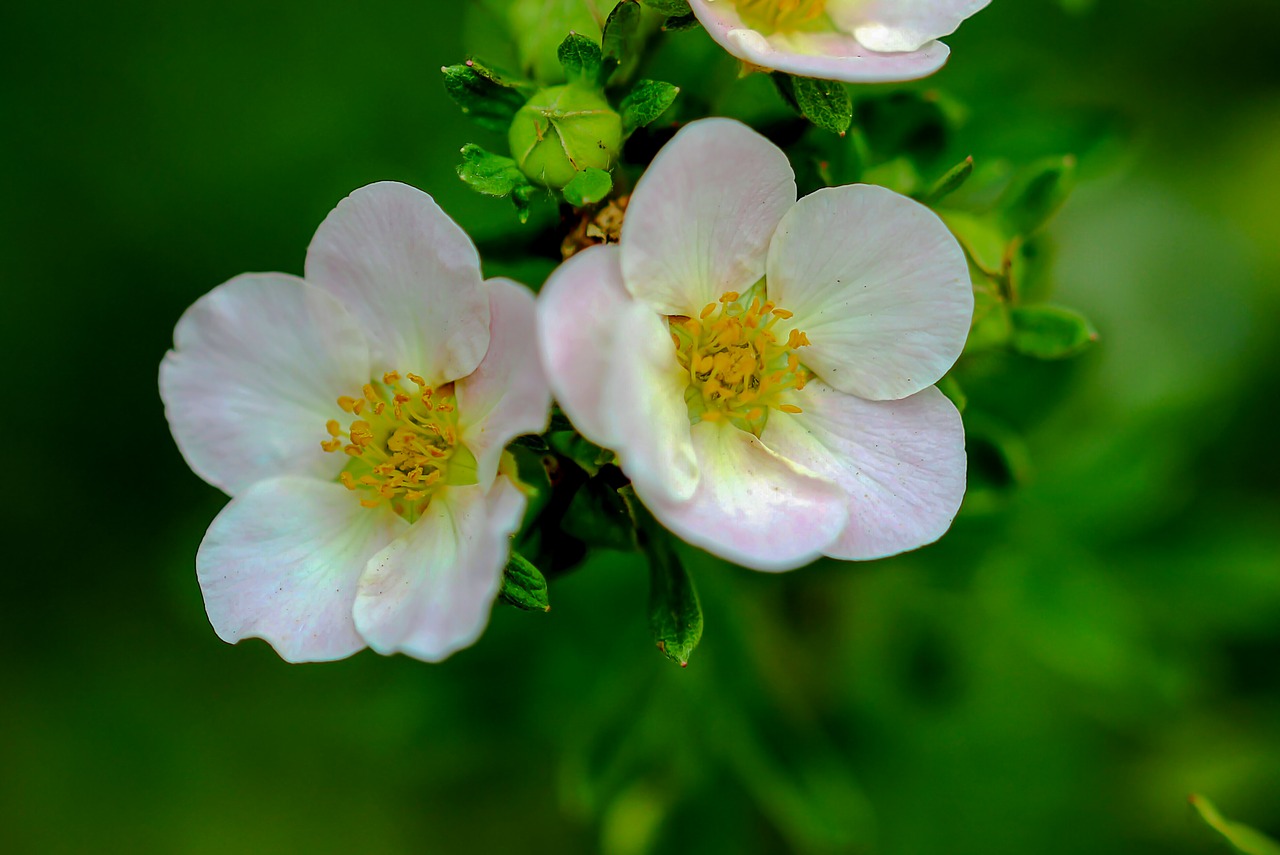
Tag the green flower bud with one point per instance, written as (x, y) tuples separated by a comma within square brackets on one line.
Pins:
[(562, 130)]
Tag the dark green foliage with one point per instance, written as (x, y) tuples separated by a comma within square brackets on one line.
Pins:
[(523, 586), (826, 103), (646, 101)]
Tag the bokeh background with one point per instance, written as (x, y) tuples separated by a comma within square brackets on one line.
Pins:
[(1081, 652)]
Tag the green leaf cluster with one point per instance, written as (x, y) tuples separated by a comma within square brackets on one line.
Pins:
[(565, 137)]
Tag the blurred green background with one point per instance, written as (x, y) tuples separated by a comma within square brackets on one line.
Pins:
[(1055, 676)]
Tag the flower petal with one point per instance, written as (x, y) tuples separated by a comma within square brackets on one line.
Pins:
[(580, 312), (878, 284), (901, 25), (700, 219), (827, 55), (411, 276), (257, 366), (647, 406), (901, 463), (281, 562), (752, 506), (507, 395), (428, 594)]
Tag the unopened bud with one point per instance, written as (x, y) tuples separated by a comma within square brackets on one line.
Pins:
[(563, 130)]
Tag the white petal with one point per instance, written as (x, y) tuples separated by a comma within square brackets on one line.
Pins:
[(901, 464), (507, 395), (282, 561), (428, 594), (879, 285), (580, 311), (257, 366), (613, 369), (411, 276), (827, 55), (752, 506), (647, 406), (901, 25), (700, 219)]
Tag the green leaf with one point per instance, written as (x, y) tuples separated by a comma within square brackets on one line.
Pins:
[(589, 186), (581, 58), (619, 30), (826, 103), (501, 77), (581, 451), (981, 238), (598, 517), (495, 175), (949, 182), (646, 101), (677, 23), (1033, 199), (1050, 332), (675, 615), (669, 7), (491, 104), (523, 586), (1241, 838)]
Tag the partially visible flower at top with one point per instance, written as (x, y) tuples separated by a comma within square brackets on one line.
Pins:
[(858, 41), (763, 367), (358, 418)]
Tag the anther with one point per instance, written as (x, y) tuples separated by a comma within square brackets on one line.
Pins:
[(390, 377)]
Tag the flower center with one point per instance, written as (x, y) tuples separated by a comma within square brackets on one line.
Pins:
[(403, 444), (779, 15), (738, 369)]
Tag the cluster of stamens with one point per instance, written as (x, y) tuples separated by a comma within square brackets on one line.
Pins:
[(400, 441), (738, 369), (780, 15)]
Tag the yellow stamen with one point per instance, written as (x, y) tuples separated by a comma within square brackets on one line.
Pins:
[(402, 447), (738, 368)]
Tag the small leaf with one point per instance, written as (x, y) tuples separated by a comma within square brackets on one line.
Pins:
[(589, 456), (677, 23), (950, 182), (826, 103), (491, 104), (1241, 838), (1050, 332), (670, 7), (502, 77), (619, 30), (581, 58), (495, 175), (675, 615), (523, 586), (598, 517), (588, 187), (646, 101), (1037, 196)]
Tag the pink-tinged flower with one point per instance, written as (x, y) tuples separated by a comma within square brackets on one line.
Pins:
[(358, 418), (763, 367), (858, 41)]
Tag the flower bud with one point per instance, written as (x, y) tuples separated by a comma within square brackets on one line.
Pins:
[(562, 130)]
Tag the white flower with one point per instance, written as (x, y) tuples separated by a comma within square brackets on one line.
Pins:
[(358, 419), (763, 367), (858, 41)]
